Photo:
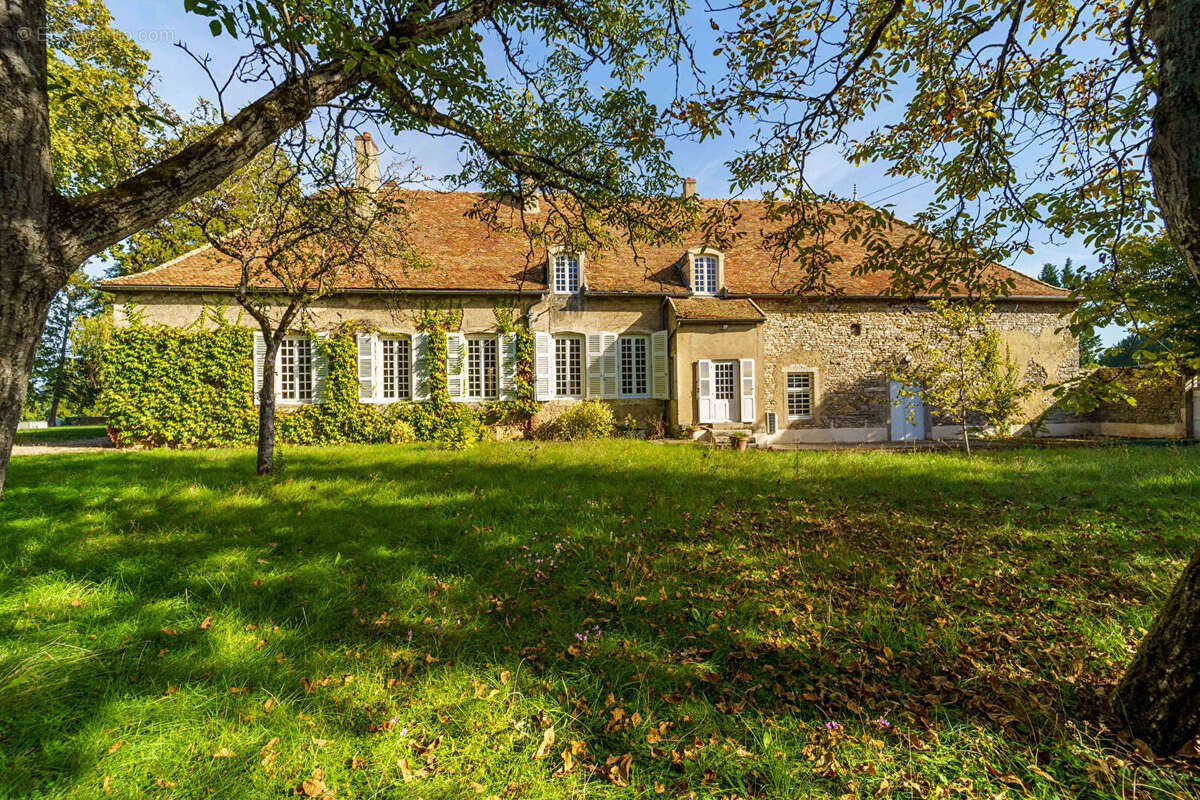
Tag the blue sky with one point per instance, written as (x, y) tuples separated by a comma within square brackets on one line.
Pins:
[(158, 26)]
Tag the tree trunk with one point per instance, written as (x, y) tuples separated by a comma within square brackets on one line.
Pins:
[(266, 410), (1174, 152), (966, 439), (29, 255), (1159, 696), (60, 369)]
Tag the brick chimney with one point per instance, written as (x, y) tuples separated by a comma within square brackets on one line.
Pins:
[(366, 163), (689, 187)]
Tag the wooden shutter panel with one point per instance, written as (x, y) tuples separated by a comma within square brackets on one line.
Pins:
[(508, 366), (611, 361), (420, 367), (260, 359), (747, 376), (704, 390), (543, 362), (660, 387), (366, 367), (456, 366), (595, 364), (320, 367)]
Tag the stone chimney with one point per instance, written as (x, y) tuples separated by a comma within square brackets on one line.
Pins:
[(689, 187), (366, 163)]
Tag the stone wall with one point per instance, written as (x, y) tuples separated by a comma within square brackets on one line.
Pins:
[(850, 347), (1163, 408)]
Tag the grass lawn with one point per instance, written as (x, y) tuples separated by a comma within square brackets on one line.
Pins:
[(60, 434), (615, 619)]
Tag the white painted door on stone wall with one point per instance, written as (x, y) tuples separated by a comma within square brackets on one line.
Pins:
[(908, 413), (725, 381)]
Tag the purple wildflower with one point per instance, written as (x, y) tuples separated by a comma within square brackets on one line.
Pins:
[(831, 725), (883, 724)]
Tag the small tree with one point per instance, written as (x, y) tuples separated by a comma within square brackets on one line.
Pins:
[(296, 228), (55, 377), (959, 369)]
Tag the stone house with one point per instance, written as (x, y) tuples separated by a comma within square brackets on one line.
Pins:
[(690, 335)]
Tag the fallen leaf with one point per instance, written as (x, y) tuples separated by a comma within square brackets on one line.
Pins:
[(224, 752), (504, 676), (115, 746), (170, 631), (206, 624), (269, 704), (547, 743)]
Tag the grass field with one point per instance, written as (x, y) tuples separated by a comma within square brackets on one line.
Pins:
[(60, 434), (616, 620)]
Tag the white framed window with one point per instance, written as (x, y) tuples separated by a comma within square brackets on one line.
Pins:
[(296, 370), (395, 367), (565, 273), (568, 366), (799, 395), (635, 373), (705, 271), (481, 367)]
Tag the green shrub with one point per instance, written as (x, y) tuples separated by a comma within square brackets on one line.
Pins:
[(591, 419)]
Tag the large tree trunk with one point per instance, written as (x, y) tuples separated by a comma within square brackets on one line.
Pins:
[(1174, 152), (29, 255), (1159, 696)]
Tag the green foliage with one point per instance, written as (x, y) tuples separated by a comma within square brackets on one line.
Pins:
[(591, 419), (960, 370), (180, 387), (62, 370), (524, 405), (1073, 278)]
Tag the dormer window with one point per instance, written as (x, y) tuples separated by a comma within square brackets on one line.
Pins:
[(565, 272), (705, 274)]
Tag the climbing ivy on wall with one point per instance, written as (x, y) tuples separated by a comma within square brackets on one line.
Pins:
[(193, 387)]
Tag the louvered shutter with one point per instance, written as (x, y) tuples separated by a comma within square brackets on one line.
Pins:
[(508, 366), (542, 364), (456, 366), (704, 390), (260, 359), (420, 367), (609, 357), (320, 367), (747, 376), (660, 386), (595, 364), (366, 367)]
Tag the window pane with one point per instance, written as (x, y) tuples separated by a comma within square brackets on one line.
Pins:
[(397, 368), (799, 394), (634, 377), (568, 366), (566, 274), (723, 380), (481, 368), (704, 275), (295, 370)]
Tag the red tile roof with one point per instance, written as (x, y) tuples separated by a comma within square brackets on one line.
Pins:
[(466, 254), (716, 308)]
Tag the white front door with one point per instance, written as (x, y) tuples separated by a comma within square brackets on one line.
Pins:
[(908, 413), (725, 403)]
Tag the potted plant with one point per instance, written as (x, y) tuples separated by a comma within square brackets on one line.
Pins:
[(739, 439)]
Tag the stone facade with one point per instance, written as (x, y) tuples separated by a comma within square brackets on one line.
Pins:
[(847, 346)]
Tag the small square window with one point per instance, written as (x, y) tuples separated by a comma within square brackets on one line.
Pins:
[(799, 395), (855, 329)]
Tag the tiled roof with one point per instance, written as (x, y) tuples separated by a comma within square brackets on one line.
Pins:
[(716, 308), (466, 255)]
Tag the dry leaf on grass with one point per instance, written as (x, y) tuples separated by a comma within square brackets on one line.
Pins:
[(547, 743)]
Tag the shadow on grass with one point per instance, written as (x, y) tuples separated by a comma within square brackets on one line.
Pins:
[(782, 589)]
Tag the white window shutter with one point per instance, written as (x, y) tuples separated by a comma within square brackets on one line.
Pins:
[(260, 360), (747, 375), (610, 360), (456, 366), (704, 390), (543, 362), (420, 367), (320, 367), (660, 386), (366, 367), (508, 366), (595, 364)]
